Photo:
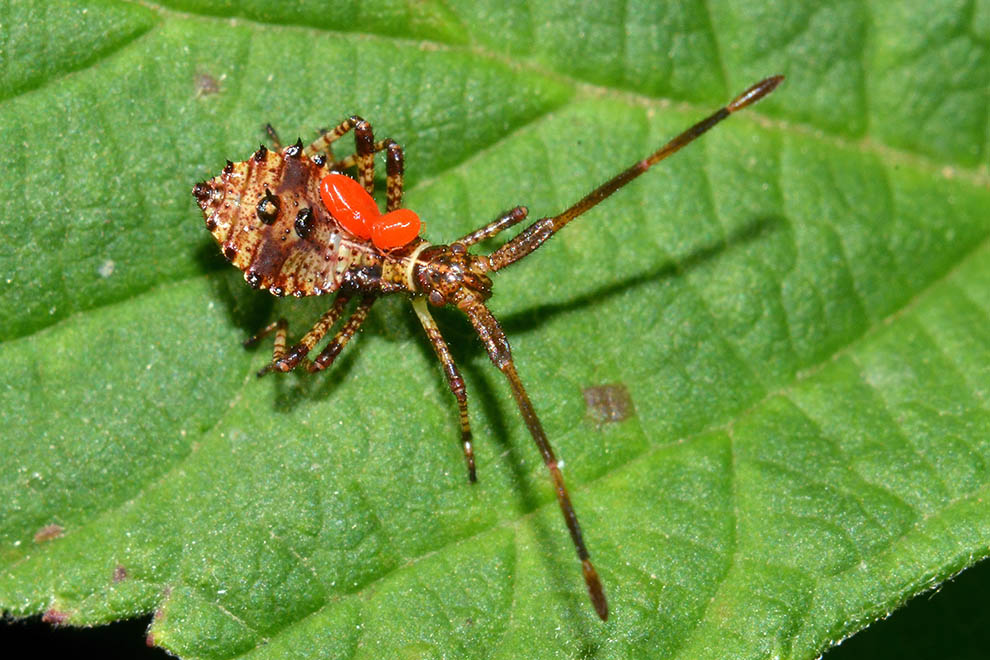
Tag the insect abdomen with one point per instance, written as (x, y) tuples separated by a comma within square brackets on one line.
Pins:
[(268, 218)]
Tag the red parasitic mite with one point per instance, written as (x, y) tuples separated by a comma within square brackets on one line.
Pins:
[(351, 205), (295, 224)]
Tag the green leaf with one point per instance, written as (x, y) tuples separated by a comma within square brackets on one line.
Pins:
[(796, 305)]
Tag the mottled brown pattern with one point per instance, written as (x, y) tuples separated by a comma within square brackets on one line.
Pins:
[(275, 256)]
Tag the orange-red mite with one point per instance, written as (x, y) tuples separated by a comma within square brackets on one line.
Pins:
[(349, 204), (395, 229), (356, 211), (266, 214)]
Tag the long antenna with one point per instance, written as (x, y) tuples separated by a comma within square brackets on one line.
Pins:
[(537, 233)]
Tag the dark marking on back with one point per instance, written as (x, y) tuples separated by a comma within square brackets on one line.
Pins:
[(293, 177), (269, 207), (304, 222), (201, 191), (269, 256)]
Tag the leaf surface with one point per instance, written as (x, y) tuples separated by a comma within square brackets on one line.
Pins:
[(796, 305)]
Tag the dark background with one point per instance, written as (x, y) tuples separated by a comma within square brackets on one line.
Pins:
[(949, 623)]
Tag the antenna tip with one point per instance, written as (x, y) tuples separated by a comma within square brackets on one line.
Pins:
[(755, 93), (595, 589)]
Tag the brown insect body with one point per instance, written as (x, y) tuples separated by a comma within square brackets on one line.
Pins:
[(268, 217)]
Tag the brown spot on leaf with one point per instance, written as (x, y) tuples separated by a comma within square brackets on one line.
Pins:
[(158, 615), (48, 532), (119, 573), (55, 617), (608, 404), (206, 85)]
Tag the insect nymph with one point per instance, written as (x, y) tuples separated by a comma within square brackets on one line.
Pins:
[(296, 225)]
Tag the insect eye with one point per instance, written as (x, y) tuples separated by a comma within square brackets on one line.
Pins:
[(268, 207)]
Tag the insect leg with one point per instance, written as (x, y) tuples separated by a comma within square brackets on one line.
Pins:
[(501, 223), (327, 138), (537, 233), (273, 136), (336, 345), (394, 169), (264, 332), (352, 160), (364, 141), (454, 379), (291, 359), (493, 337), (281, 328)]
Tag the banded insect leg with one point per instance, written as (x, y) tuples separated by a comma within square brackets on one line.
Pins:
[(283, 360), (336, 345), (281, 329), (394, 170), (454, 380), (273, 136), (364, 142), (323, 144), (497, 345), (501, 223)]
